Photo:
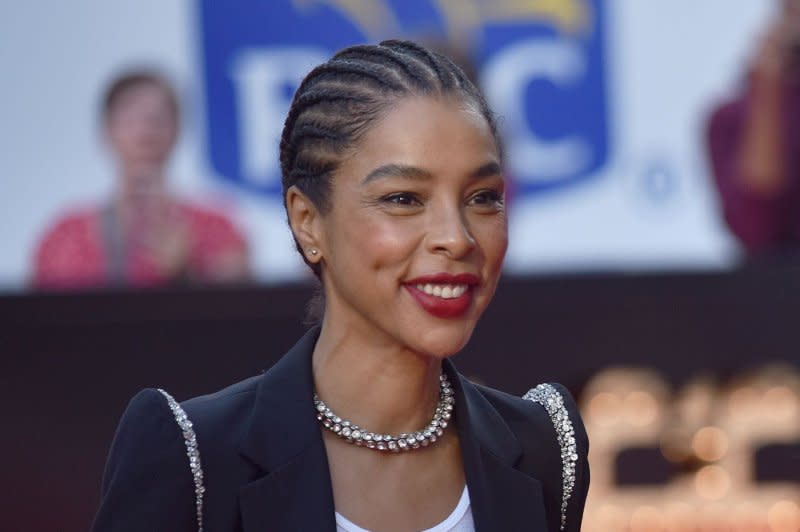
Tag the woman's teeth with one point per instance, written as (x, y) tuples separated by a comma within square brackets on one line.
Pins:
[(445, 291)]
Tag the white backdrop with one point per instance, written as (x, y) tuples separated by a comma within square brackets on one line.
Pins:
[(654, 208)]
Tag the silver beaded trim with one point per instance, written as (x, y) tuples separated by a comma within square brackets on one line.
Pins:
[(547, 396), (354, 434), (192, 451)]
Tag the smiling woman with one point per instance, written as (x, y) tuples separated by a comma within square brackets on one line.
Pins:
[(410, 210), (394, 192)]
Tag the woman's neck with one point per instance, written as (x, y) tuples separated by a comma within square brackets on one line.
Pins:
[(140, 189), (375, 383), (136, 179)]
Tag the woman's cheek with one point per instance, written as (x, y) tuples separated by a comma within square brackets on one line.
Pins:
[(388, 242), (493, 239)]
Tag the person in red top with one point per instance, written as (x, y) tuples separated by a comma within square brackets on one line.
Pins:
[(754, 144), (144, 236)]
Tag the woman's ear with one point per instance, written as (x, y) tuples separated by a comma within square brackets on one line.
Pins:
[(305, 221)]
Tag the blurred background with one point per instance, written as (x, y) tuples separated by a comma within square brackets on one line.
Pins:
[(653, 155)]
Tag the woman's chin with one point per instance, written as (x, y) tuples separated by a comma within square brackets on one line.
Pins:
[(442, 342)]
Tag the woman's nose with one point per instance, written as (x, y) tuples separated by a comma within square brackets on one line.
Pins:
[(449, 233)]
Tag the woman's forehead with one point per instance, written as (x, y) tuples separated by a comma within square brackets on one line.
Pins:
[(428, 128), (145, 93)]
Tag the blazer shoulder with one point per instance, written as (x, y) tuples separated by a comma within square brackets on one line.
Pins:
[(548, 425), (221, 405), (147, 483), (555, 399), (532, 411), (221, 418), (146, 433)]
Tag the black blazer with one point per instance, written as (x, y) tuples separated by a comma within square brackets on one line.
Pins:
[(265, 466)]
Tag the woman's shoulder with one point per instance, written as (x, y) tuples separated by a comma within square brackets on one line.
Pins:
[(158, 449), (219, 419), (68, 253), (545, 415), (539, 409), (216, 420), (222, 404), (555, 447), (148, 458), (156, 410)]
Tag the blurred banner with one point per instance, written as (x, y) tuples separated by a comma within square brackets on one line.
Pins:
[(542, 66), (602, 103)]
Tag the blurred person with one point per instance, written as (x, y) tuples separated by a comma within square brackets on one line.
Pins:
[(754, 143), (143, 235), (394, 191)]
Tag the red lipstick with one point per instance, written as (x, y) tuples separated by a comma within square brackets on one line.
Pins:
[(439, 306)]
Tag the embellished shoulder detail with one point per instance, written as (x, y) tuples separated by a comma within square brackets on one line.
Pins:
[(552, 401), (192, 451)]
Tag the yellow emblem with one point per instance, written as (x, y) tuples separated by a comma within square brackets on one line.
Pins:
[(377, 20)]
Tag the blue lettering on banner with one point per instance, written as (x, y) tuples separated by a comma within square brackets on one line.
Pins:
[(541, 64)]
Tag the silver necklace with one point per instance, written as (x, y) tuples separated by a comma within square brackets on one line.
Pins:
[(354, 434)]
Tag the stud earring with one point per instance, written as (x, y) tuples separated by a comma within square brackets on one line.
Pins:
[(313, 252)]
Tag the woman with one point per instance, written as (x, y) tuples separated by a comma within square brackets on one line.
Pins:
[(144, 235), (394, 194)]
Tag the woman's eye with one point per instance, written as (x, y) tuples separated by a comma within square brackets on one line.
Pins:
[(490, 198), (402, 198)]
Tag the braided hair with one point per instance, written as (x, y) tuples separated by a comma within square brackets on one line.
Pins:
[(339, 100)]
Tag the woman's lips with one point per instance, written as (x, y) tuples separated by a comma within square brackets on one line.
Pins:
[(443, 295)]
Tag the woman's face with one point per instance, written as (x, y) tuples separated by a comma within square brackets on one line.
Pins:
[(414, 241), (142, 127)]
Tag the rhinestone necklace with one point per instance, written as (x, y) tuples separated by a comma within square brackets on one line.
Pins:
[(352, 433)]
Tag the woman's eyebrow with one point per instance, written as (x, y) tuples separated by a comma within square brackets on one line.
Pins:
[(488, 170), (417, 174), (398, 170)]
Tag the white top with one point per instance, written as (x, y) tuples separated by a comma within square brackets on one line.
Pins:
[(459, 520)]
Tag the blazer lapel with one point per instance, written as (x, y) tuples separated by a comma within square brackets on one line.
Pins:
[(295, 497), (294, 490), (284, 441), (501, 496)]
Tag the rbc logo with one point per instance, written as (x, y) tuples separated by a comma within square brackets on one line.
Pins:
[(541, 64)]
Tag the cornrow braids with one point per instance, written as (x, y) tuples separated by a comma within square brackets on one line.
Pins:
[(414, 72), (434, 62), (339, 100)]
